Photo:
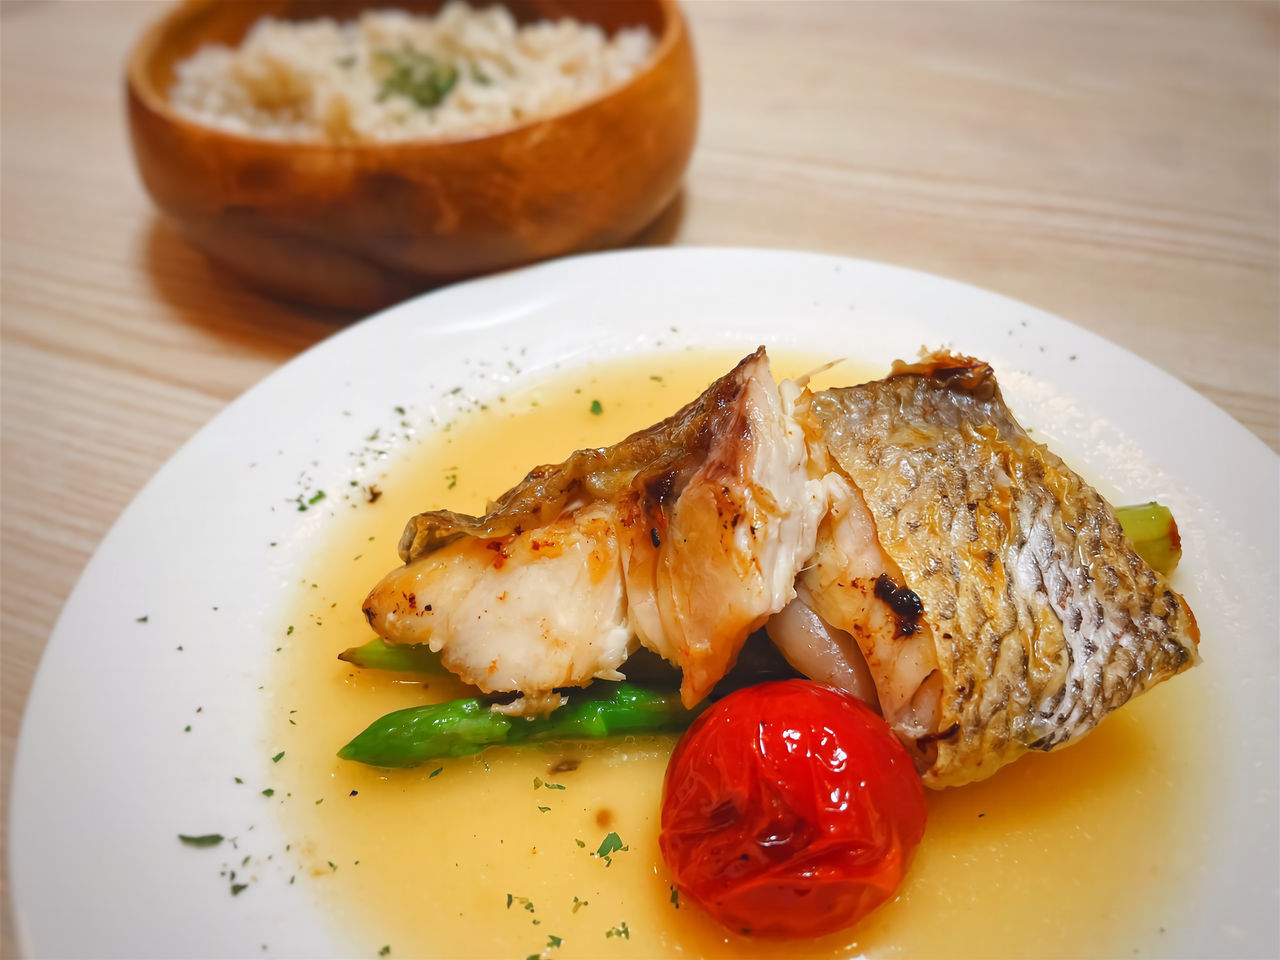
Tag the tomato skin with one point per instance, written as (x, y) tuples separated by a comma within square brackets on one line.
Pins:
[(790, 809)]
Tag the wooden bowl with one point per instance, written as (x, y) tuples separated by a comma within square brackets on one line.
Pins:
[(359, 226)]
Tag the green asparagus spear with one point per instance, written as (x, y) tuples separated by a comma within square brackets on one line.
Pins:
[(377, 654), (457, 728), (1151, 529)]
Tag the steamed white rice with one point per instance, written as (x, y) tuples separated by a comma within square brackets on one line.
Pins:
[(328, 81)]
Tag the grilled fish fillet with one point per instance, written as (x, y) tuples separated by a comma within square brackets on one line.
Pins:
[(684, 538), (904, 538), (1040, 616)]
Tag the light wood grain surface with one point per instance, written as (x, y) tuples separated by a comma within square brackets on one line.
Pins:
[(1115, 164)]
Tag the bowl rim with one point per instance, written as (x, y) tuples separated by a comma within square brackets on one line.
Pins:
[(145, 93)]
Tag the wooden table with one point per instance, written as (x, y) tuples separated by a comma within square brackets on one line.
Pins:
[(1115, 164)]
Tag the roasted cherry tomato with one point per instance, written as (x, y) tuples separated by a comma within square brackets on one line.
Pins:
[(790, 810)]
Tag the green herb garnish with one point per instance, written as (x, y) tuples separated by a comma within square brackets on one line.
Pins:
[(416, 75), (201, 840), (612, 844)]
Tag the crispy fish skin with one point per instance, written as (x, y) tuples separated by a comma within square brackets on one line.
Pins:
[(657, 463), (1044, 617)]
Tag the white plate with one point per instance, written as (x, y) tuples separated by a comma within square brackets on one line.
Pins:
[(104, 778)]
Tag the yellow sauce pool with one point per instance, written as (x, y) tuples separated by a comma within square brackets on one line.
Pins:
[(1071, 854)]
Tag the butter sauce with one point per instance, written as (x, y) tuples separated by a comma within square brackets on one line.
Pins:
[(1075, 853)]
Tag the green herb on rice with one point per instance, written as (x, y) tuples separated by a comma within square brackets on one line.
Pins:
[(416, 75)]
